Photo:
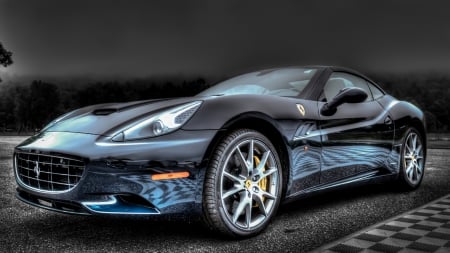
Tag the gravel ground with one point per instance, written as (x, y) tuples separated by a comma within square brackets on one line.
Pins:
[(300, 226)]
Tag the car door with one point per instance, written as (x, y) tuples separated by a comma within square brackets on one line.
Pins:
[(357, 139)]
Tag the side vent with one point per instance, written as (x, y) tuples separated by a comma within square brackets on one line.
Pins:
[(305, 129)]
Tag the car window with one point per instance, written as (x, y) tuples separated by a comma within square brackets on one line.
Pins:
[(340, 80), (376, 92), (278, 82)]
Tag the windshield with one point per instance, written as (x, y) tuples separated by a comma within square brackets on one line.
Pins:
[(277, 82)]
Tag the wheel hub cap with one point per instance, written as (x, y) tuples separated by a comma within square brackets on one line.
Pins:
[(248, 184)]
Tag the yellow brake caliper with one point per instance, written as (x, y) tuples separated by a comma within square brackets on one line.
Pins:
[(263, 183)]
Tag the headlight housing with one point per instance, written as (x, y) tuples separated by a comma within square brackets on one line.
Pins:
[(161, 123)]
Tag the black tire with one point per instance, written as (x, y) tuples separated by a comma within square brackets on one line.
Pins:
[(240, 197), (412, 163)]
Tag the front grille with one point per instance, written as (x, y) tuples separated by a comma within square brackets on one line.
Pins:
[(56, 173)]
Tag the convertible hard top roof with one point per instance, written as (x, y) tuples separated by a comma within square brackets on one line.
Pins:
[(332, 68), (340, 69)]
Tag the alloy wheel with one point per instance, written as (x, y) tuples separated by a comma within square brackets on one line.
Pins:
[(249, 184), (413, 158)]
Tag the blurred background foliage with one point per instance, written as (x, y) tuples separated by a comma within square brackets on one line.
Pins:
[(28, 107)]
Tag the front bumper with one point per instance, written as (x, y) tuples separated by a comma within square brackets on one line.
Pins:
[(117, 178)]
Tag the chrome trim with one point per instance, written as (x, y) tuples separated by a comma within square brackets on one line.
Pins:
[(20, 175), (114, 202)]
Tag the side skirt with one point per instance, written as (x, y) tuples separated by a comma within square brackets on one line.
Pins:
[(372, 177)]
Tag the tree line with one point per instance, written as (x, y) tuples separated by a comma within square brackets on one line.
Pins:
[(430, 93), (27, 108)]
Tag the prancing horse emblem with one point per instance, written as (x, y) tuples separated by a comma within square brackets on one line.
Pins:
[(301, 109), (36, 169)]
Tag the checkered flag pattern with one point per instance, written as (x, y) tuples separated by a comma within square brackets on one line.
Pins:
[(426, 229)]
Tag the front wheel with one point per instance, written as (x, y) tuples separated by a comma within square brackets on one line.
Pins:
[(243, 184), (412, 166)]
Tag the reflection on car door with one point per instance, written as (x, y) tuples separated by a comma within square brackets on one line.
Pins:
[(358, 138)]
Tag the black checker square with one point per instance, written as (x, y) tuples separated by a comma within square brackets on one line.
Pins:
[(423, 247), (385, 248), (405, 236), (408, 220), (345, 248), (434, 208), (439, 235), (370, 237), (447, 245), (418, 213), (433, 219), (422, 227), (390, 228)]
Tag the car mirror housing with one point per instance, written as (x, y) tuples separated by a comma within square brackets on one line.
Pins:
[(346, 95)]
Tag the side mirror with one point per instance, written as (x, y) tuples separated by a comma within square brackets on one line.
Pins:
[(346, 95)]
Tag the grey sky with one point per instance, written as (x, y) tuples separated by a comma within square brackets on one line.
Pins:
[(144, 38)]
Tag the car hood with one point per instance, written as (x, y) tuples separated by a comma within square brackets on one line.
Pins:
[(106, 119)]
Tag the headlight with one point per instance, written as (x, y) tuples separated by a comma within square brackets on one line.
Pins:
[(162, 123)]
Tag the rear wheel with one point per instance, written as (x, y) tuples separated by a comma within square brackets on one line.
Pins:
[(412, 166), (243, 184)]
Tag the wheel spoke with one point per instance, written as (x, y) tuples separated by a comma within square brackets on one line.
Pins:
[(263, 162), (408, 148), (267, 173), (419, 169), (248, 214), (414, 142), (250, 155), (231, 192), (408, 169), (240, 208), (243, 162), (267, 195), (233, 177), (419, 149), (414, 172), (262, 207)]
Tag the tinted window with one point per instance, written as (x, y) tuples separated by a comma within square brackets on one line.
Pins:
[(340, 80), (278, 82), (376, 93)]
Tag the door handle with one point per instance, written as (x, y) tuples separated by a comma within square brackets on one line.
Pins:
[(388, 120)]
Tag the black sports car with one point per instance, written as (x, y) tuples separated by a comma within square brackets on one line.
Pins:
[(231, 154)]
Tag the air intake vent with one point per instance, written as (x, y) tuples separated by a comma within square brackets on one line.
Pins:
[(48, 172), (106, 111)]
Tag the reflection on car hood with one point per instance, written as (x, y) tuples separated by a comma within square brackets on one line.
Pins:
[(104, 119)]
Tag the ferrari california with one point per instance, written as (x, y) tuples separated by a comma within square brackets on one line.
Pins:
[(230, 154)]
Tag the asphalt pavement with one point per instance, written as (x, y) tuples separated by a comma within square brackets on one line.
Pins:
[(300, 226)]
